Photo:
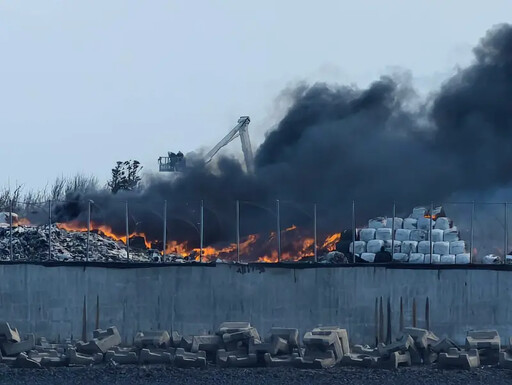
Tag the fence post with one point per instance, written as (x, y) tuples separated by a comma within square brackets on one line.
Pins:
[(393, 231), (238, 231), (315, 245), (472, 232), (164, 241), (127, 233), (201, 232), (353, 231), (278, 231), (88, 230), (430, 224), (11, 209), (505, 253), (50, 229)]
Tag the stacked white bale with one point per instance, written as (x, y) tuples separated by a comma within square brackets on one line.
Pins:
[(377, 223), (442, 223), (437, 235), (457, 247), (424, 247), (417, 258), (402, 235), (451, 235), (435, 258), (398, 223), (383, 234), (374, 245), (462, 259), (418, 235), (367, 234), (360, 247), (368, 257), (442, 248), (410, 223), (448, 259), (409, 247), (418, 212), (425, 223), (400, 257), (388, 244)]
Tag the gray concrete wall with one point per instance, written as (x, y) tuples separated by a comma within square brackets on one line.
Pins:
[(48, 301)]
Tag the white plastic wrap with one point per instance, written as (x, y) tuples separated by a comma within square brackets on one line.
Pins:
[(490, 259), (418, 212), (388, 245), (359, 249), (366, 235), (377, 223), (368, 257), (442, 248), (402, 235), (400, 257), (425, 223), (424, 247), (399, 222), (417, 258), (442, 223), (448, 259), (457, 247), (418, 235), (409, 247), (451, 235), (410, 223), (462, 259), (437, 235), (374, 246), (383, 234)]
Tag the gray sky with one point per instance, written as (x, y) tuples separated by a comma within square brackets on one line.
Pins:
[(86, 83)]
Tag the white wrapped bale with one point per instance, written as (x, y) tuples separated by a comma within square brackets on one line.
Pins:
[(398, 223), (377, 223), (448, 259), (437, 235), (400, 257), (424, 247), (451, 235), (462, 259), (409, 247), (442, 248), (435, 258), (490, 259), (374, 245), (418, 235), (389, 244), (383, 234), (410, 223), (402, 235), (368, 257), (442, 223), (457, 247), (359, 249), (418, 212), (417, 258), (425, 223), (367, 234)]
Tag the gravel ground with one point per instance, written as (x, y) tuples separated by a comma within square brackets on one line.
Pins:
[(217, 376)]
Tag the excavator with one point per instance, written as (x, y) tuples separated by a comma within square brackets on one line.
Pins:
[(176, 162)]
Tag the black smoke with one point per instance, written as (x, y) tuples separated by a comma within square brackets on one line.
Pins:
[(337, 144)]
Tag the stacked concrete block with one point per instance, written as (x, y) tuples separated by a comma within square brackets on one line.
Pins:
[(457, 247), (396, 224), (122, 357), (442, 223), (424, 340), (8, 334), (444, 345), (237, 337), (368, 257), (175, 339), (409, 247), (102, 341), (10, 348), (155, 356), (358, 247), (441, 248), (377, 223), (437, 235), (323, 349), (389, 244), (383, 234), (185, 359), (451, 235), (402, 235), (425, 223), (78, 359), (457, 359), (24, 362), (284, 347), (400, 257), (448, 259), (419, 235), (374, 246), (342, 335), (416, 258), (208, 343), (462, 259), (424, 247), (488, 344), (152, 339), (366, 235), (506, 356), (410, 223)]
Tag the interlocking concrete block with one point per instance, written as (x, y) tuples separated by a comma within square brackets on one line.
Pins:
[(223, 354), (186, 343), (365, 351), (428, 356), (152, 339), (250, 360), (320, 341), (291, 335), (103, 341), (8, 334), (185, 359), (360, 360), (148, 356), (38, 354), (210, 343), (423, 338), (242, 335), (10, 348), (395, 360), (286, 360), (54, 362), (342, 335), (175, 339), (506, 360), (444, 346), (83, 359), (276, 345), (121, 358), (232, 327), (459, 359), (43, 343), (402, 344), (483, 339), (316, 360), (22, 361)]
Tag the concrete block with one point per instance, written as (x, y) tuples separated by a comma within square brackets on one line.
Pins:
[(321, 341), (210, 343), (342, 335), (276, 345), (152, 339), (459, 359), (232, 327), (242, 335), (121, 358), (10, 348), (359, 360), (37, 354), (505, 360), (248, 361), (423, 338), (22, 361), (291, 335), (400, 345), (365, 351), (483, 339), (83, 359), (103, 341), (148, 356), (316, 360), (286, 360), (54, 362), (185, 359), (395, 360), (175, 339), (444, 346), (8, 334), (186, 343), (223, 354), (428, 356)]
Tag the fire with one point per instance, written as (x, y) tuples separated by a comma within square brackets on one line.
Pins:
[(23, 222)]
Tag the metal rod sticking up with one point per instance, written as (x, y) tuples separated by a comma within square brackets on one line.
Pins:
[(430, 230), (88, 230), (50, 229), (427, 314), (353, 231), (127, 233), (505, 252), (401, 321), (201, 233), (393, 231), (164, 242), (389, 336), (11, 209), (472, 232), (278, 231), (238, 231), (414, 312), (315, 245)]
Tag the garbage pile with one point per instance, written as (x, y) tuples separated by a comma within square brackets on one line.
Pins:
[(238, 344)]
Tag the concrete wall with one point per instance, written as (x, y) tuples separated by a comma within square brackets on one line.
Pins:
[(48, 301)]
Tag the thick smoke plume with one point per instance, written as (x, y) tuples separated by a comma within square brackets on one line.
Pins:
[(337, 144)]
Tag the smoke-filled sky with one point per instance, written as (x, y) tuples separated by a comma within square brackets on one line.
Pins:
[(86, 83)]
